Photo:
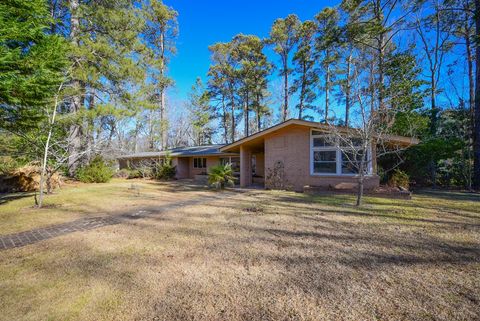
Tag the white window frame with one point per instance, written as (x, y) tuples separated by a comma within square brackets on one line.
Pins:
[(338, 158)]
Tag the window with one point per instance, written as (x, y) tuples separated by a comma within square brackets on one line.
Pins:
[(224, 161), (199, 163), (351, 161), (233, 161), (325, 161), (327, 158)]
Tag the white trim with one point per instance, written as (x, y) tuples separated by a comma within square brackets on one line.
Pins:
[(338, 158)]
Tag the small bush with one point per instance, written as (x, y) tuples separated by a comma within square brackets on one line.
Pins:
[(400, 179), (7, 165), (123, 173), (135, 173), (98, 171), (142, 170), (221, 176), (165, 171)]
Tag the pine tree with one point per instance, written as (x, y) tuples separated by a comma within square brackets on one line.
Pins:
[(252, 73), (200, 114), (327, 43), (304, 67), (283, 38), (476, 131), (32, 63), (225, 71), (160, 34), (105, 38)]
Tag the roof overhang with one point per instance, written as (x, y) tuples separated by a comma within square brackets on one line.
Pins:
[(188, 151), (257, 138), (161, 155)]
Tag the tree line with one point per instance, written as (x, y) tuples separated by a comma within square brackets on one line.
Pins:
[(104, 62), (413, 62), (80, 78)]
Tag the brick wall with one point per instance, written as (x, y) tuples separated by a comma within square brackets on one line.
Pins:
[(211, 161), (291, 147)]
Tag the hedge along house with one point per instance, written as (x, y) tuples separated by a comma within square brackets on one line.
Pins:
[(297, 153), (190, 162)]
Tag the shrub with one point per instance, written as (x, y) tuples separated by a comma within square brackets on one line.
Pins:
[(135, 173), (275, 178), (7, 165), (142, 169), (123, 173), (221, 175), (165, 171), (98, 171), (400, 179)]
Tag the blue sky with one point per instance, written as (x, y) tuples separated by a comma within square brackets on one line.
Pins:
[(204, 22)]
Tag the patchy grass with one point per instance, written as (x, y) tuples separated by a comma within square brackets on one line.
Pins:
[(259, 255)]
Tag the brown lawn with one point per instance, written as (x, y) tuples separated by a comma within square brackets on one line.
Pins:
[(257, 255)]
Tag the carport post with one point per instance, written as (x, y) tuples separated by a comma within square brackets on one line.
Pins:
[(245, 166)]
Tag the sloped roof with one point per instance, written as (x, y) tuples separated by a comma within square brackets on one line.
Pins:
[(204, 150), (401, 140)]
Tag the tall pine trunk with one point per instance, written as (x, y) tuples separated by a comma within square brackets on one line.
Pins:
[(224, 120), (246, 114), (327, 92), (258, 115), (302, 91), (471, 92), (232, 102), (89, 131), (476, 134), (347, 90), (163, 112), (75, 130), (285, 84), (380, 59)]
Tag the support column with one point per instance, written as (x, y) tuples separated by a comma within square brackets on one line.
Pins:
[(245, 166)]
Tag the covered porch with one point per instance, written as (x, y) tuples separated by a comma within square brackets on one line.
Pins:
[(252, 161)]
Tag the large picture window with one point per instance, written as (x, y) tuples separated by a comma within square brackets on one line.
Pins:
[(327, 158)]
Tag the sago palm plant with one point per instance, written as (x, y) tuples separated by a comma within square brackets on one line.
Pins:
[(221, 176)]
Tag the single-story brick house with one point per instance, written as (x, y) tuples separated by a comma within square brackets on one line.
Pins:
[(289, 155), (189, 161)]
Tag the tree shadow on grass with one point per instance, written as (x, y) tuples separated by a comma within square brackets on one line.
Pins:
[(5, 198), (28, 237), (450, 195)]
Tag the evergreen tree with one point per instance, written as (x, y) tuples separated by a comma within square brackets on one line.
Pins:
[(160, 34), (252, 73), (218, 94), (476, 130), (225, 72), (200, 114), (105, 38), (32, 63), (283, 38), (327, 43), (304, 67)]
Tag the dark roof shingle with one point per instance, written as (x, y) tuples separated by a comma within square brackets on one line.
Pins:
[(204, 150)]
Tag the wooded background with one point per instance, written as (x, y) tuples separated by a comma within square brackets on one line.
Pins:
[(86, 78)]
